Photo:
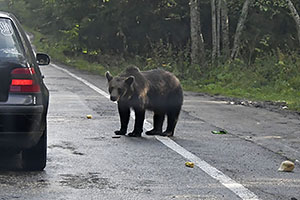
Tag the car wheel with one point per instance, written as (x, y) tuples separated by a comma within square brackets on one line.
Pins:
[(34, 159)]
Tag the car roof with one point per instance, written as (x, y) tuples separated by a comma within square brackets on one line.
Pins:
[(6, 15)]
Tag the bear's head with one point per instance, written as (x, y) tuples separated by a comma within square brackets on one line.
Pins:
[(120, 88)]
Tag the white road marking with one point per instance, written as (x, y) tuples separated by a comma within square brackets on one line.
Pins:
[(203, 101), (98, 90), (226, 181), (232, 185)]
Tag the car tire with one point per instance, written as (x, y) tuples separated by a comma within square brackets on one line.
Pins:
[(34, 159)]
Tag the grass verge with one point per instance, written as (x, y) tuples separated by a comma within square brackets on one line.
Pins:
[(270, 78)]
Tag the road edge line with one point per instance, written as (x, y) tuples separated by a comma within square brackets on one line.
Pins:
[(213, 172)]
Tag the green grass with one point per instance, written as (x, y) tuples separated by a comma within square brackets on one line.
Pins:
[(270, 78), (267, 80), (56, 52)]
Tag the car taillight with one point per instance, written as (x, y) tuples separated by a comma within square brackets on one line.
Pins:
[(22, 80)]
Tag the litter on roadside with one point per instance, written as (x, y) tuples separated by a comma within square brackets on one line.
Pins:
[(286, 166), (189, 164), (219, 132), (89, 116)]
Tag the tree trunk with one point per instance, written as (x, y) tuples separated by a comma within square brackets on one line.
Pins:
[(213, 30), (197, 48), (225, 29), (239, 29), (295, 16), (218, 28)]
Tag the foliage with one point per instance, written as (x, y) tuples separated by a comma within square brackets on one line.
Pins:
[(130, 27), (109, 34), (275, 78)]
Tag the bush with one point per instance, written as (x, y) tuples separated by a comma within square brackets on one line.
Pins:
[(269, 78)]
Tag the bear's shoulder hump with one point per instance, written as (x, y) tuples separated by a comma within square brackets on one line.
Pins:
[(132, 69)]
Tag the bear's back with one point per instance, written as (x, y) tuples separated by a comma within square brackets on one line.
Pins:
[(161, 80), (164, 89), (158, 88)]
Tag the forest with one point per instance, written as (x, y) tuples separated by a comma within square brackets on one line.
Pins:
[(238, 48)]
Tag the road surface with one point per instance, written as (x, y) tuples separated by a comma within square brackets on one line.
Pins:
[(85, 161)]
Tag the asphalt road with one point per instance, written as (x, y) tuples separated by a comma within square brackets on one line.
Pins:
[(86, 162)]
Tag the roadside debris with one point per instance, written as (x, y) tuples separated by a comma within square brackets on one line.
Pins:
[(286, 166), (189, 164), (219, 132), (89, 116)]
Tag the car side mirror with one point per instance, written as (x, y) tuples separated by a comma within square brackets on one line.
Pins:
[(42, 59)]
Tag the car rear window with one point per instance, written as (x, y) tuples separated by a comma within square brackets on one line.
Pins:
[(10, 43)]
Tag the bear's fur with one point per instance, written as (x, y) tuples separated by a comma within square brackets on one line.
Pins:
[(156, 90)]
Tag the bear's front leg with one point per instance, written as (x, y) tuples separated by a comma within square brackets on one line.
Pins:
[(124, 112), (138, 124)]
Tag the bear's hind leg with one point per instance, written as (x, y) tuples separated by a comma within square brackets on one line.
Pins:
[(172, 121), (158, 120)]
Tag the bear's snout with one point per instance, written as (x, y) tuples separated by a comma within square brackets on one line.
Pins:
[(112, 98)]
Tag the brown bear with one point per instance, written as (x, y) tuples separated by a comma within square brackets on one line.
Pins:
[(156, 90)]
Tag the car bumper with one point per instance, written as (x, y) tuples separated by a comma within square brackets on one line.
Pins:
[(20, 126)]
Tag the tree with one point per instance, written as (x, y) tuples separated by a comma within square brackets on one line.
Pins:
[(295, 16), (159, 28), (213, 30), (225, 30), (218, 3), (197, 42), (220, 29), (240, 28)]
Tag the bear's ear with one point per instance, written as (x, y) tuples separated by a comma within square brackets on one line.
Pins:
[(129, 80), (109, 77)]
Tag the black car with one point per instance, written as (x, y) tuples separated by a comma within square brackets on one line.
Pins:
[(24, 97)]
